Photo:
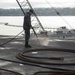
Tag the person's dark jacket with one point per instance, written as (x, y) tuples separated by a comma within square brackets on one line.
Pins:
[(27, 21)]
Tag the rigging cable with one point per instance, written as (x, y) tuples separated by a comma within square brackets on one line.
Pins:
[(58, 13)]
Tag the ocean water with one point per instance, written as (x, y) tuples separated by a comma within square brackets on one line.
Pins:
[(16, 23)]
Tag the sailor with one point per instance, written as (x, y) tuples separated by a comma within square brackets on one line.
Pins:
[(27, 26)]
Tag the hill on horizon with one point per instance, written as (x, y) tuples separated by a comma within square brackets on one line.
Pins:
[(40, 12)]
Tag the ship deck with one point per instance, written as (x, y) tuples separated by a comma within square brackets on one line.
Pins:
[(10, 49)]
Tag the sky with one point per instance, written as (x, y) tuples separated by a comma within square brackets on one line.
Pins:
[(39, 3)]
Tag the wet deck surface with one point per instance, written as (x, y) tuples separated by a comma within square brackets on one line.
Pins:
[(9, 50)]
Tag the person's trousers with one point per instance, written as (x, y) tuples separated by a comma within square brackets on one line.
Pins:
[(27, 35)]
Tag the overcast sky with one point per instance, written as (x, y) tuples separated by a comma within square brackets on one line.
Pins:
[(39, 3)]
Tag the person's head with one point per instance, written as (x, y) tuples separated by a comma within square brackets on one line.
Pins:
[(31, 11)]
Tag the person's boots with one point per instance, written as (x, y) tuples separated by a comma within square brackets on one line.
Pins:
[(27, 45)]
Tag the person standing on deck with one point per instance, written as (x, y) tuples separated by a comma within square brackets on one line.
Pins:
[(27, 26)]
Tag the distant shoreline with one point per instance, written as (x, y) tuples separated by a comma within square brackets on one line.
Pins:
[(40, 12)]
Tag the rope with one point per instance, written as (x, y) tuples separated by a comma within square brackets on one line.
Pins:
[(34, 64), (16, 73), (2, 45), (12, 25), (24, 57)]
